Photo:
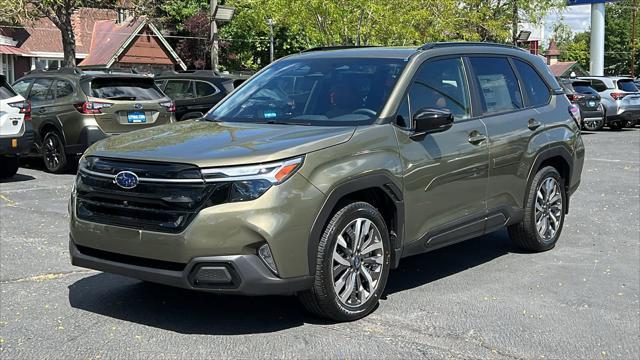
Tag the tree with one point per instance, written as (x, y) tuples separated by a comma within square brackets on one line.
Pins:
[(617, 57), (60, 13)]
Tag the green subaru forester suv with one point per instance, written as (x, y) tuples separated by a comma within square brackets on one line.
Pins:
[(317, 175)]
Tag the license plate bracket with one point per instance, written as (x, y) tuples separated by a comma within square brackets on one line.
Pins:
[(136, 117)]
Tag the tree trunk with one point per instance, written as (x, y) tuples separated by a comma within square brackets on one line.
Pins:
[(69, 48), (514, 23)]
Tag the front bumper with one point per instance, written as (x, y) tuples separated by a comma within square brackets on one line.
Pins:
[(233, 274)]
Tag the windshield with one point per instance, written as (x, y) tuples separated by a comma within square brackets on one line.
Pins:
[(627, 85), (329, 92)]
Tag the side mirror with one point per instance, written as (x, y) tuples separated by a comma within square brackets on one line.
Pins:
[(428, 120)]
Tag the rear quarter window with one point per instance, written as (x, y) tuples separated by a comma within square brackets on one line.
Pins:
[(627, 85), (535, 88), (125, 89), (6, 92)]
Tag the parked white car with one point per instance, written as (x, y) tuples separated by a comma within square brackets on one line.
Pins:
[(620, 98), (16, 132)]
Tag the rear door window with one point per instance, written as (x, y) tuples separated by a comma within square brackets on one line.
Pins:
[(6, 92), (499, 87), (538, 93), (179, 89), (63, 88), (125, 89), (41, 90), (205, 89), (22, 87), (627, 85)]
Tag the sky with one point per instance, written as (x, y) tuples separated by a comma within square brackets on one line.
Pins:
[(577, 17)]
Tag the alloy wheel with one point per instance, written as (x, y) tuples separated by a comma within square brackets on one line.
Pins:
[(593, 124), (548, 213), (358, 260), (52, 152)]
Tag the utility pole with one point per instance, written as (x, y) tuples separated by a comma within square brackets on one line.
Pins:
[(634, 20), (597, 39), (514, 23), (213, 36), (271, 55)]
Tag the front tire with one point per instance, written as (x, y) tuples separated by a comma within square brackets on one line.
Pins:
[(55, 158), (543, 213), (8, 166), (353, 262)]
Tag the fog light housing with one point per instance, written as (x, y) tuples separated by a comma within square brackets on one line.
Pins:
[(265, 254)]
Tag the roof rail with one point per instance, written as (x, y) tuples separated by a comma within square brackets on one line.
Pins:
[(64, 70), (337, 47), (435, 45)]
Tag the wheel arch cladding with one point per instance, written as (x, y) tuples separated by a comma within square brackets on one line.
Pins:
[(558, 157), (376, 189), (49, 126)]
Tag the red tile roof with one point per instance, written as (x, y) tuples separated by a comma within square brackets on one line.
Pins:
[(108, 37), (553, 49), (559, 68), (42, 35), (8, 49)]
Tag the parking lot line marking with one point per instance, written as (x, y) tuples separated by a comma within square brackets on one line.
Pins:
[(9, 201)]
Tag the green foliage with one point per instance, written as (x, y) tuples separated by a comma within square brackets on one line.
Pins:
[(617, 42)]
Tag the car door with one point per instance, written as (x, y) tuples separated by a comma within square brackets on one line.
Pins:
[(182, 92), (445, 173), (207, 95), (513, 127), (41, 96)]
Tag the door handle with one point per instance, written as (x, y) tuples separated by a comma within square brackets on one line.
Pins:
[(476, 138), (533, 124)]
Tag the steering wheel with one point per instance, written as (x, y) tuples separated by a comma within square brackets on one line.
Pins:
[(365, 111)]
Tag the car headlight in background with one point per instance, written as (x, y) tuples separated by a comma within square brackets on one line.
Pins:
[(251, 181)]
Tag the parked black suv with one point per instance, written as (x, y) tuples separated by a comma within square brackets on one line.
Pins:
[(587, 99), (195, 92)]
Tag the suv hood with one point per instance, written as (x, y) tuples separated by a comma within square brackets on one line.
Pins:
[(210, 144)]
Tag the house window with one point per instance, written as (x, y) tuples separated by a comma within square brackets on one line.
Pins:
[(45, 64), (6, 67)]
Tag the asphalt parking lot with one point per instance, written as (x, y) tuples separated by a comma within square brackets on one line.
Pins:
[(478, 299)]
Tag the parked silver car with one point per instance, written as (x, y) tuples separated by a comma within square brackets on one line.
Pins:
[(621, 100)]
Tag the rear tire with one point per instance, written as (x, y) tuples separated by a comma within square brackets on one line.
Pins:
[(593, 125), (630, 123), (8, 166), (349, 276), (55, 158), (615, 126), (546, 200)]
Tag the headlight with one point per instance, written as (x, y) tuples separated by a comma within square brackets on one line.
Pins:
[(250, 182)]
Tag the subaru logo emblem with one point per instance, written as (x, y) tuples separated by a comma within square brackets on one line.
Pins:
[(137, 106), (126, 180)]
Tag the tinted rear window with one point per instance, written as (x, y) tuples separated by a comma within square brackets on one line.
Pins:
[(6, 92), (584, 89), (627, 85), (125, 89)]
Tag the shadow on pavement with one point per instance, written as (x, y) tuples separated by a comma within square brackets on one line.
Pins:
[(191, 312), (17, 178)]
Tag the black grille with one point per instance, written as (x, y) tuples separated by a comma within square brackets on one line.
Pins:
[(131, 260), (164, 207)]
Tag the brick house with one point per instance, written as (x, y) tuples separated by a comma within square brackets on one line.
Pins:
[(100, 35)]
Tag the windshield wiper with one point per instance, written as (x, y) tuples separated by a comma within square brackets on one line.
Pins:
[(281, 122)]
